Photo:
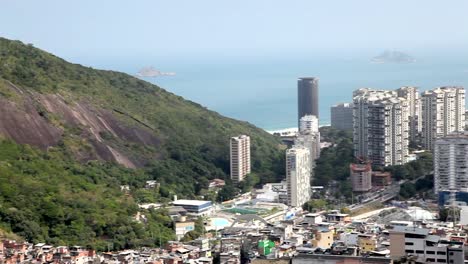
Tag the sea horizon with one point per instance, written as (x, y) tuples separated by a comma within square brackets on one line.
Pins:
[(264, 91)]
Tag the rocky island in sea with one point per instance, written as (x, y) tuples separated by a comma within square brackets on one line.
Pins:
[(152, 72), (393, 56)]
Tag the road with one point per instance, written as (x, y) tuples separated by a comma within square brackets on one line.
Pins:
[(382, 196), (371, 213)]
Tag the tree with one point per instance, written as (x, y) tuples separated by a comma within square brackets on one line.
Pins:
[(315, 205), (228, 192), (407, 190)]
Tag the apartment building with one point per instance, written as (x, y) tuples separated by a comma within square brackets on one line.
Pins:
[(240, 157), (412, 96), (380, 127), (298, 175), (443, 112)]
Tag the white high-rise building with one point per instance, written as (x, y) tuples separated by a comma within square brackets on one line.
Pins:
[(240, 157), (310, 141), (380, 133), (309, 123), (411, 94), (309, 137), (298, 175), (451, 163), (443, 112)]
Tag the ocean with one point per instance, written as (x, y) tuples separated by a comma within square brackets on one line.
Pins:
[(263, 91)]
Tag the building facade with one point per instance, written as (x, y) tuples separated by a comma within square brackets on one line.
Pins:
[(240, 157), (342, 116), (381, 179), (451, 164), (298, 175), (443, 112), (309, 123), (307, 97), (412, 96), (380, 127), (422, 247), (195, 207), (361, 177), (310, 141)]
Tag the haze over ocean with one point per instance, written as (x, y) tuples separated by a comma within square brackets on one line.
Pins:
[(264, 91), (260, 47)]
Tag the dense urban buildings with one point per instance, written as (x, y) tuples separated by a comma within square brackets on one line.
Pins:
[(361, 177), (443, 112), (307, 97), (380, 132), (451, 167), (411, 94), (298, 175), (342, 116), (240, 157)]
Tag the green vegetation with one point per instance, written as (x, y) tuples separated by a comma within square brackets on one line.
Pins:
[(316, 205), (333, 164), (332, 168), (48, 196), (194, 141), (413, 169), (422, 187), (45, 197)]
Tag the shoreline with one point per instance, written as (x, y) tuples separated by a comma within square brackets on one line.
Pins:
[(288, 130)]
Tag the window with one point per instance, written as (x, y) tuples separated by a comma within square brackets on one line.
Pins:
[(441, 261), (409, 243), (442, 253), (430, 252), (419, 251), (409, 251)]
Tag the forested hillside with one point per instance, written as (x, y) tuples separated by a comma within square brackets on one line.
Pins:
[(73, 135)]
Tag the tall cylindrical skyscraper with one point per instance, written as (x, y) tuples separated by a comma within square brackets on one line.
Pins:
[(307, 97)]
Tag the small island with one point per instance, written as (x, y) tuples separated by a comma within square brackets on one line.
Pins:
[(393, 56), (152, 72)]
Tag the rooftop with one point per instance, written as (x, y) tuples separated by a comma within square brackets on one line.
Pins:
[(190, 202)]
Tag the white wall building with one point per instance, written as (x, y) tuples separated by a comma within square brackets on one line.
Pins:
[(298, 175), (451, 163), (381, 124), (240, 157), (411, 94), (310, 141), (443, 112), (423, 247), (309, 123)]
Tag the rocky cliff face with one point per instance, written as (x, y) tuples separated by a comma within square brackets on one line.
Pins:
[(45, 120)]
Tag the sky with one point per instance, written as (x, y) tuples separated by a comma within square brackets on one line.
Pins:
[(123, 29)]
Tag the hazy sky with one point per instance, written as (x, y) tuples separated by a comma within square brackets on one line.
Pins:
[(110, 28)]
